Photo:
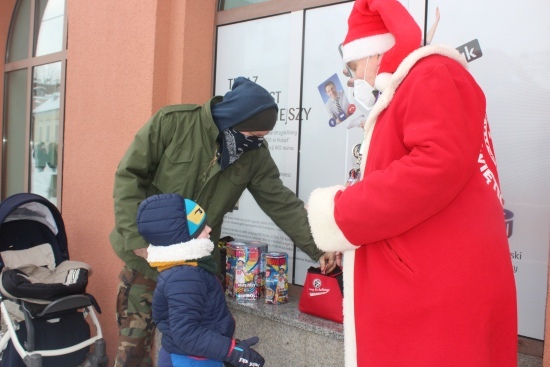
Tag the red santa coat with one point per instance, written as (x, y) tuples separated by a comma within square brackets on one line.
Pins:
[(428, 277)]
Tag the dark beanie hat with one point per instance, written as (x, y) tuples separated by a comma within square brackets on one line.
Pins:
[(262, 121), (241, 105)]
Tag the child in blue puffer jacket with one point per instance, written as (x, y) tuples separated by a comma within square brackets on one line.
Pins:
[(189, 306)]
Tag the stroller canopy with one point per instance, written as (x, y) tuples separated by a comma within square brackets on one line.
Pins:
[(28, 209)]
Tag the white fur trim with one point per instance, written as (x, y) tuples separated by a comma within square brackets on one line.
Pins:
[(367, 46), (320, 210), (382, 81), (350, 336), (190, 250), (403, 70)]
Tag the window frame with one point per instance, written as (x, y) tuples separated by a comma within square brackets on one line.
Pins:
[(29, 64), (268, 8)]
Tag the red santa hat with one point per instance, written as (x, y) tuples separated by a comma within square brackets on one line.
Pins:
[(381, 27)]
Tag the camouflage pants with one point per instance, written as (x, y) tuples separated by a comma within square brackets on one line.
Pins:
[(134, 318)]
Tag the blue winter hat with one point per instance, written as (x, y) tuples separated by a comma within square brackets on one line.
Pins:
[(168, 219), (244, 100)]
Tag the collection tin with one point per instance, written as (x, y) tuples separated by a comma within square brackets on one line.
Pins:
[(245, 269), (276, 277)]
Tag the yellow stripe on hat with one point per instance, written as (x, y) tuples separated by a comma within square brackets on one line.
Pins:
[(196, 215)]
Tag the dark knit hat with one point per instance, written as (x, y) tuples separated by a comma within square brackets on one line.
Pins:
[(168, 219), (262, 121), (242, 103)]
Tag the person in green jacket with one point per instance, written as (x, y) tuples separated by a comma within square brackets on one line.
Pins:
[(210, 153)]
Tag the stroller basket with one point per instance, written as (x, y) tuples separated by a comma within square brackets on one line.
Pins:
[(43, 298)]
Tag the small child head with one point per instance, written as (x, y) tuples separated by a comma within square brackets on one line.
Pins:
[(168, 219)]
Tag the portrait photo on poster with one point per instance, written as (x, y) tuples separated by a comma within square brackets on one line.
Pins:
[(337, 104)]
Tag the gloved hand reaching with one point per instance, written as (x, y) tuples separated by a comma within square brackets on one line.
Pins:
[(244, 356)]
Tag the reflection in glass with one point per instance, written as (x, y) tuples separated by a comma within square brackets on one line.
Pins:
[(14, 133), (230, 4), (49, 26), (18, 43), (45, 130)]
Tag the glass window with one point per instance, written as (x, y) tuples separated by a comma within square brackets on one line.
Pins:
[(34, 87), (18, 45), (44, 124), (14, 133), (230, 4), (49, 26)]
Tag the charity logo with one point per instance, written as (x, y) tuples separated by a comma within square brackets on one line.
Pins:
[(317, 283), (317, 290)]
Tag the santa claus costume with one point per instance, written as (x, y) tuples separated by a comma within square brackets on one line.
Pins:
[(428, 278)]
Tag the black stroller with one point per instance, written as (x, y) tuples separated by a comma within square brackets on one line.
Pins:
[(43, 297)]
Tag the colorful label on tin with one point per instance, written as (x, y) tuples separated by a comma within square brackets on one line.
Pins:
[(276, 277), (245, 270)]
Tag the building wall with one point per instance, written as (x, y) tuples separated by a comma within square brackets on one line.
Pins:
[(546, 352)]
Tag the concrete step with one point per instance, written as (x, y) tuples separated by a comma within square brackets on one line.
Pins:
[(287, 336), (291, 338)]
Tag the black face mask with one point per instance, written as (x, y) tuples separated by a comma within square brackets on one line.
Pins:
[(234, 144)]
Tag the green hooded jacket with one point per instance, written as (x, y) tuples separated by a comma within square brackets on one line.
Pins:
[(176, 152)]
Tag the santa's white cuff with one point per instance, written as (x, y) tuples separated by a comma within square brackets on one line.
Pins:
[(326, 233)]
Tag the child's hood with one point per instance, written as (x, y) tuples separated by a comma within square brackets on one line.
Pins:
[(170, 224)]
